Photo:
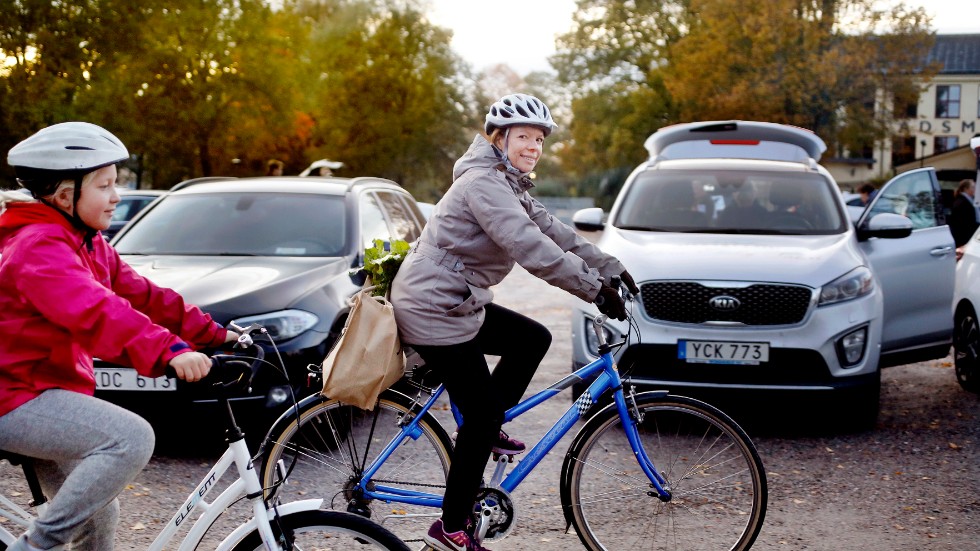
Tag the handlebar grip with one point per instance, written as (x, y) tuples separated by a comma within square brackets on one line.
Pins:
[(171, 373), (615, 282)]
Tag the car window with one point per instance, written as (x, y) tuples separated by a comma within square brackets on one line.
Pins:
[(911, 196), (262, 224), (403, 223), (762, 202), (373, 225), (127, 208)]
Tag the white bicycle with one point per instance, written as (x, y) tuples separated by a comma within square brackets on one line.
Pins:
[(297, 525)]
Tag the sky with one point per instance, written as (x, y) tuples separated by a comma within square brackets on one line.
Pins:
[(476, 37)]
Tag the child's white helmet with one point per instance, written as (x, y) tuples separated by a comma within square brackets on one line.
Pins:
[(64, 151)]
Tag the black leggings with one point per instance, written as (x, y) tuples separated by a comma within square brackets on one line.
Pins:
[(483, 397)]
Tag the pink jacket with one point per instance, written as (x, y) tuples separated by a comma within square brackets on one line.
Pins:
[(61, 303)]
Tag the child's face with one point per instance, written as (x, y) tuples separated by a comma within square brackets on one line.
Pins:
[(99, 199)]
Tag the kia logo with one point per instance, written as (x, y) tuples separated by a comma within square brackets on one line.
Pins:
[(724, 303)]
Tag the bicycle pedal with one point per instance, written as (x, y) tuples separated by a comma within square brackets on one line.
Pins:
[(509, 456)]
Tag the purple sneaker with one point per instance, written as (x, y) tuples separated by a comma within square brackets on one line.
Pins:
[(505, 445), (437, 538)]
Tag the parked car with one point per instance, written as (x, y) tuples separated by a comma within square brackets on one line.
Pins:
[(966, 304), (754, 278), (282, 252), (966, 328), (131, 201)]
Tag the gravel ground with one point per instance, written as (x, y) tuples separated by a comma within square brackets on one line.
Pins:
[(911, 483)]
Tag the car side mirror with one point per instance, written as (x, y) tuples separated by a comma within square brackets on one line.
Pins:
[(588, 219), (358, 275), (885, 225)]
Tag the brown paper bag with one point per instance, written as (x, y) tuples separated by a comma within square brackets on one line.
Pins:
[(367, 357)]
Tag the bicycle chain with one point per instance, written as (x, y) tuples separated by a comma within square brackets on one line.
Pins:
[(407, 483)]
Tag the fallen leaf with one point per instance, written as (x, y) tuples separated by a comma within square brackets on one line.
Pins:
[(139, 526), (954, 446)]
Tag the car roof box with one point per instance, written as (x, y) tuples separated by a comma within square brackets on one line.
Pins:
[(735, 139)]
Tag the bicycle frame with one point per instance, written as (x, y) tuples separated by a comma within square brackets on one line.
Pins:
[(247, 484), (608, 379)]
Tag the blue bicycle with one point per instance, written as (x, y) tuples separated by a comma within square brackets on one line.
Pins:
[(648, 471)]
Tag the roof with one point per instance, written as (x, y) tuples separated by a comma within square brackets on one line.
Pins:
[(288, 184), (959, 53)]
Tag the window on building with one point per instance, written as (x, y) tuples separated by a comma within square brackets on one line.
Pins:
[(945, 143), (903, 150), (948, 101), (906, 105)]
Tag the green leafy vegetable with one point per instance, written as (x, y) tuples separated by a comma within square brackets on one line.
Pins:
[(382, 263)]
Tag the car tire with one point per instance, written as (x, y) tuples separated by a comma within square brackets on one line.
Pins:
[(966, 348)]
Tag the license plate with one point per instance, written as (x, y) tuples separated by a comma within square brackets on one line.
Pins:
[(723, 352), (111, 378)]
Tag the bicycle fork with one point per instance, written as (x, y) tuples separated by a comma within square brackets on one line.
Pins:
[(631, 417)]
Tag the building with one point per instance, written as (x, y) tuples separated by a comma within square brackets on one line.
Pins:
[(937, 130)]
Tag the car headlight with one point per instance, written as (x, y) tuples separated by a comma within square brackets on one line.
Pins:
[(282, 325), (856, 283), (591, 341)]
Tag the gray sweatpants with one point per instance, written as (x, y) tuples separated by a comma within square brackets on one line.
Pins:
[(87, 451)]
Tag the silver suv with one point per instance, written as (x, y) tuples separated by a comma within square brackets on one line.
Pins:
[(754, 275)]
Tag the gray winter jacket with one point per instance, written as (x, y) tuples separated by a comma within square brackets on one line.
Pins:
[(485, 223)]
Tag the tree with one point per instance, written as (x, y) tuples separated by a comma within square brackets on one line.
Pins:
[(813, 63), (388, 101), (198, 90), (49, 56)]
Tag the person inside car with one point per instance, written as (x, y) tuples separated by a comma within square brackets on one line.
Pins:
[(487, 221), (65, 296), (743, 211)]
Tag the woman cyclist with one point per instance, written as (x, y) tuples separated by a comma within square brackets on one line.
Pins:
[(66, 296), (485, 223)]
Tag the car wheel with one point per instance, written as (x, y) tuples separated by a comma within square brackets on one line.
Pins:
[(966, 348)]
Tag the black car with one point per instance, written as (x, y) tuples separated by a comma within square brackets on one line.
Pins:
[(282, 252), (131, 201)]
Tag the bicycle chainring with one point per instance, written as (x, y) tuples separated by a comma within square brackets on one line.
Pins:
[(495, 508)]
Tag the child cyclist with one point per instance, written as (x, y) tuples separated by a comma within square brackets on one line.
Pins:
[(66, 296)]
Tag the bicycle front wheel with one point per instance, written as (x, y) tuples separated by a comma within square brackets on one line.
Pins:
[(333, 443), (713, 471), (327, 530)]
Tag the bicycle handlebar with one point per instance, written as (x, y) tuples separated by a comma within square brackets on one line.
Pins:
[(233, 370)]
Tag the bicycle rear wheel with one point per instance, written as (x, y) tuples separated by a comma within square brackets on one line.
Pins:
[(327, 530), (713, 471), (333, 443)]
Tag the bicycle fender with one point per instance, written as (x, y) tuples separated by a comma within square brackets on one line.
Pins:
[(285, 509)]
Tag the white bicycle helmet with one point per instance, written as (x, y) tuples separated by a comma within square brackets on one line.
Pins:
[(519, 109), (63, 151)]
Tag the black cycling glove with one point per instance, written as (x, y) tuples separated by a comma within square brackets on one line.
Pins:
[(630, 284), (610, 303)]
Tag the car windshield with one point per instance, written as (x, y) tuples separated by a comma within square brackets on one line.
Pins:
[(252, 224), (727, 201)]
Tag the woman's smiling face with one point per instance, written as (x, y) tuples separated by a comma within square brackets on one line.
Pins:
[(525, 145)]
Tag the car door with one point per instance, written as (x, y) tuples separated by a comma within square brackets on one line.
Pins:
[(916, 273)]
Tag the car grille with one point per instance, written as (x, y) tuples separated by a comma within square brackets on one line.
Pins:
[(758, 304)]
